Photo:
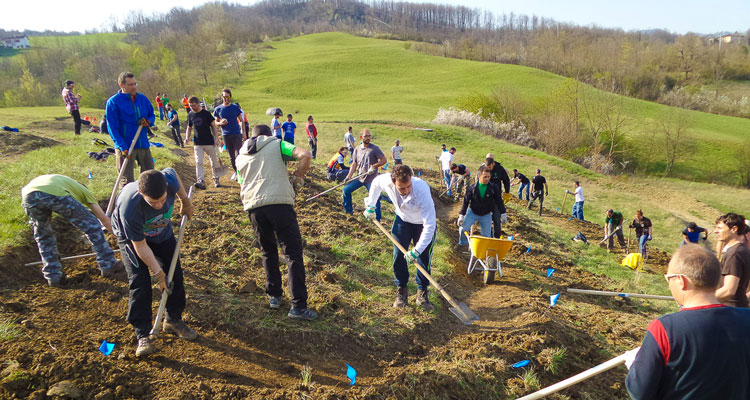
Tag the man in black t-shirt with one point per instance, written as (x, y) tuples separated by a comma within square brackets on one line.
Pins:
[(519, 178), (202, 126), (462, 177), (539, 189), (643, 231), (735, 260)]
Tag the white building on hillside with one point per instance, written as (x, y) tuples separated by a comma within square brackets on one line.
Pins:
[(16, 42)]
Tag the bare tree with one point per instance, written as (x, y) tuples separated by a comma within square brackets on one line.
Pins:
[(676, 140), (688, 51), (237, 59)]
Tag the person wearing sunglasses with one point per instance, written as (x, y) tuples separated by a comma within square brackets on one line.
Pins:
[(699, 352)]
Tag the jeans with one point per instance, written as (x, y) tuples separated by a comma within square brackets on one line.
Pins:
[(338, 175), (521, 189), (642, 240), (39, 207), (210, 150), (280, 221), (162, 113), (351, 155), (346, 200), (175, 130), (447, 180), (397, 161), (406, 234), (485, 222), (77, 119), (234, 144), (142, 156), (313, 147), (139, 283), (289, 139), (578, 210)]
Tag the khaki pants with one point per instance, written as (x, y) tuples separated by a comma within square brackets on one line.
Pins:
[(209, 150), (141, 156)]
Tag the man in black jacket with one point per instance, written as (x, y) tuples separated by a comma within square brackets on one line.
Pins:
[(481, 200), (499, 177)]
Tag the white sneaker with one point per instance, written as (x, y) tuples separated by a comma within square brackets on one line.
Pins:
[(234, 176)]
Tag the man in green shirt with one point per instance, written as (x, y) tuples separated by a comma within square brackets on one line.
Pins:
[(613, 222), (63, 195)]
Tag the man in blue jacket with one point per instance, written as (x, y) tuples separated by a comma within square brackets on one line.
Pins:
[(125, 111)]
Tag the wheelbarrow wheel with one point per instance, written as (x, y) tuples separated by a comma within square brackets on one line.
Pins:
[(487, 275)]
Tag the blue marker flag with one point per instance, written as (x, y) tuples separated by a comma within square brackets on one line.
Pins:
[(351, 373), (521, 364), (528, 250), (510, 237), (419, 173), (106, 348), (91, 176), (155, 144), (550, 271), (553, 299)]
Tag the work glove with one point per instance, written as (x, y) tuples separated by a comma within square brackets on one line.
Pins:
[(630, 357), (504, 218), (144, 122), (369, 213), (296, 182), (411, 256), (372, 170), (649, 237), (460, 221)]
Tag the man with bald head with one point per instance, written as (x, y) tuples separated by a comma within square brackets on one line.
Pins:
[(367, 159), (699, 352)]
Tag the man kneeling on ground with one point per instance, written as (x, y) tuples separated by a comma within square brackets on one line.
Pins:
[(415, 222), (141, 220), (337, 170), (268, 197), (699, 352)]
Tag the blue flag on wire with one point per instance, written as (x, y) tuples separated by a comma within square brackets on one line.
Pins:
[(351, 373), (106, 348), (156, 144), (521, 364), (550, 271), (528, 250), (91, 176), (553, 299)]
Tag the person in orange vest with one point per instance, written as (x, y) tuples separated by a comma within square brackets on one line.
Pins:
[(337, 170), (186, 104)]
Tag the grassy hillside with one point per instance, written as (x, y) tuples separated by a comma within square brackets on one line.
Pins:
[(341, 77), (114, 39)]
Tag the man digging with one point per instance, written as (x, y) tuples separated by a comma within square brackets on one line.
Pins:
[(613, 227), (141, 220), (415, 223)]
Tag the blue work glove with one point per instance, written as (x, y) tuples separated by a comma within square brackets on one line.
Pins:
[(411, 256), (369, 212)]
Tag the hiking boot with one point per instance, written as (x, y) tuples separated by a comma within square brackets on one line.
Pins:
[(302, 313), (200, 185), (56, 282), (423, 300), (179, 329), (145, 347), (216, 183), (402, 297), (110, 272), (274, 302)]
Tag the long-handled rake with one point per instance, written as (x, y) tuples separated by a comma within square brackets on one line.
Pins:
[(619, 294), (460, 310), (605, 366), (124, 165), (337, 186), (165, 293)]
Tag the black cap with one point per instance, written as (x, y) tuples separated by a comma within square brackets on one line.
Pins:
[(68, 82)]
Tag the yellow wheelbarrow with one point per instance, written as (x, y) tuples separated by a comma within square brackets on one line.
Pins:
[(487, 252)]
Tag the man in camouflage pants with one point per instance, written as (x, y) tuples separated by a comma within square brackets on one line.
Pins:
[(63, 195)]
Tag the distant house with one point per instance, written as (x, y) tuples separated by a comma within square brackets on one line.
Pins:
[(730, 38), (16, 42)]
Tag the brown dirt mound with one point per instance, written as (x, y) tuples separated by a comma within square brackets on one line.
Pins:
[(19, 143)]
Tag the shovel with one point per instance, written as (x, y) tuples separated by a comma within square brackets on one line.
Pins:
[(337, 186), (613, 232), (111, 204), (461, 310), (172, 265), (605, 366), (223, 169)]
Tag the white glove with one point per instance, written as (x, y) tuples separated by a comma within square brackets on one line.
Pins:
[(504, 218), (630, 356), (411, 256), (369, 213), (461, 219), (372, 170)]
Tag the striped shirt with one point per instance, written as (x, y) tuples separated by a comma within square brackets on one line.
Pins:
[(71, 101)]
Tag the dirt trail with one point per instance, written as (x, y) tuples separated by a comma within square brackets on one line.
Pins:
[(246, 350)]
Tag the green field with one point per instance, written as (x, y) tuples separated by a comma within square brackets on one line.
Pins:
[(339, 77), (114, 39)]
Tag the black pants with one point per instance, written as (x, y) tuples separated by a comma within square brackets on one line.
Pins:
[(313, 147), (497, 225), (139, 280), (77, 119), (537, 194), (176, 135), (234, 144), (280, 221)]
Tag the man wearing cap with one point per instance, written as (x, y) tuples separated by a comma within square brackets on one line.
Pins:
[(692, 233), (699, 352), (125, 111), (367, 159), (415, 223), (268, 197), (71, 104)]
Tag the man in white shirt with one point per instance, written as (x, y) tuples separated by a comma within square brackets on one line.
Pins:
[(396, 151), (446, 159), (350, 142), (415, 222), (577, 211)]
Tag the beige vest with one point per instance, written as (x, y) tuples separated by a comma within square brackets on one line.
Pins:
[(265, 179)]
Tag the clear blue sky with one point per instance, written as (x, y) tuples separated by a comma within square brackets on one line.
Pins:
[(676, 16)]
